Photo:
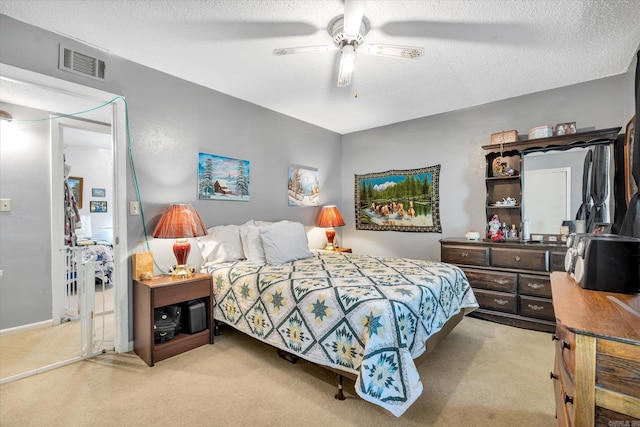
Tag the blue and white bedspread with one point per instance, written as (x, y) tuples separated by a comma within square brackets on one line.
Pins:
[(363, 314), (101, 252)]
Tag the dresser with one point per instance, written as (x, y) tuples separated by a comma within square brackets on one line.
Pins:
[(596, 373), (510, 279)]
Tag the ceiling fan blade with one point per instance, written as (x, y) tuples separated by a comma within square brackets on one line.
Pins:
[(302, 49), (347, 65), (353, 13), (406, 52)]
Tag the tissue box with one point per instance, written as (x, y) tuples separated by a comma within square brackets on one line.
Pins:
[(540, 132)]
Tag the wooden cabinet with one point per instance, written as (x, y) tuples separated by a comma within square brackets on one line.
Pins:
[(596, 372), (159, 292), (510, 154), (510, 279)]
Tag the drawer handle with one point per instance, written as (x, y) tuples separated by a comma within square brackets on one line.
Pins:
[(535, 307), (501, 301), (501, 281), (553, 376), (565, 344), (517, 258), (567, 398), (465, 254), (535, 285)]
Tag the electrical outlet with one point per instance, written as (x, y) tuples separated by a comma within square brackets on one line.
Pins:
[(5, 205), (134, 208)]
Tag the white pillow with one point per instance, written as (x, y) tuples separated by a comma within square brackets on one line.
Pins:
[(221, 244), (252, 244), (83, 228), (284, 241)]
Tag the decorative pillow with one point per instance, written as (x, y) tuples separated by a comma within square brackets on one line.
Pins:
[(284, 241), (221, 244), (252, 244)]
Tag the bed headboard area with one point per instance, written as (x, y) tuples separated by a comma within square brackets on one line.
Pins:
[(261, 242)]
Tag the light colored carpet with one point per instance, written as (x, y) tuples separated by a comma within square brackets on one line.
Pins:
[(482, 374), (34, 349)]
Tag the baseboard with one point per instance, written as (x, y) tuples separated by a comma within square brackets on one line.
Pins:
[(25, 328)]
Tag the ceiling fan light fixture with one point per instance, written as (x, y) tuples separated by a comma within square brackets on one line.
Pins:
[(347, 65)]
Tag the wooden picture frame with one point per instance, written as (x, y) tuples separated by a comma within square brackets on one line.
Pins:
[(76, 184), (630, 186)]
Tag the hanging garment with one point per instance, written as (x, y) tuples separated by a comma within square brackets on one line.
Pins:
[(71, 215)]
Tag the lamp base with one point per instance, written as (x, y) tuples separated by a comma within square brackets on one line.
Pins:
[(181, 271), (329, 247)]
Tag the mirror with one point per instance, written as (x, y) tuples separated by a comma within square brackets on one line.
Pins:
[(552, 184)]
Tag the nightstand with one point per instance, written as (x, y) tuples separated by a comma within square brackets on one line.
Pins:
[(342, 250), (159, 292)]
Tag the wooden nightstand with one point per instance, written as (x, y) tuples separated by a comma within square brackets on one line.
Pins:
[(342, 250), (159, 292)]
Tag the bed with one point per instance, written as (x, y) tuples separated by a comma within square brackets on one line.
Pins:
[(365, 316)]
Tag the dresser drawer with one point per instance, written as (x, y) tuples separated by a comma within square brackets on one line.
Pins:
[(492, 280), (557, 260), (521, 259), (465, 255), (565, 347), (540, 308), (499, 301), (537, 286)]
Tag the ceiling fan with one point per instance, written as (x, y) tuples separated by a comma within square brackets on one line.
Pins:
[(348, 33)]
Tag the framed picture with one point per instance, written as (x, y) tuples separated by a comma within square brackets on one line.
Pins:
[(565, 129), (98, 192), (399, 200), (303, 187), (630, 185), (601, 228), (223, 178), (76, 184), (96, 206)]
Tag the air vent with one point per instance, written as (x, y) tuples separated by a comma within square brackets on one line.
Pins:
[(79, 63)]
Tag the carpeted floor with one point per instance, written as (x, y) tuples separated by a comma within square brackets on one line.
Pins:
[(482, 374)]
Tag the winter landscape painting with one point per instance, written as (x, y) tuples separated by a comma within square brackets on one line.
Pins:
[(399, 200), (222, 178), (303, 186)]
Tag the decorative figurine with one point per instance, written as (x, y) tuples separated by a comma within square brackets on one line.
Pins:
[(494, 227)]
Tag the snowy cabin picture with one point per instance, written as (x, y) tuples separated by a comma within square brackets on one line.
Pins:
[(222, 178), (303, 186)]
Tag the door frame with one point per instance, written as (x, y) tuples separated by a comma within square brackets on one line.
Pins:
[(123, 342)]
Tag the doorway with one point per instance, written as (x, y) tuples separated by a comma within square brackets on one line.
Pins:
[(44, 94)]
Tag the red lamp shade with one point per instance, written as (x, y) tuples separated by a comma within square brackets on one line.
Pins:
[(328, 218), (180, 222)]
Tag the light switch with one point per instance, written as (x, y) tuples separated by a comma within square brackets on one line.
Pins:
[(134, 208), (5, 205)]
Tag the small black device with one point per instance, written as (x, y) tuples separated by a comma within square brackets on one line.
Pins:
[(166, 322), (194, 316), (608, 262)]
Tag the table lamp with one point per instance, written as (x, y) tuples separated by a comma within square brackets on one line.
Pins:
[(180, 222), (328, 218)]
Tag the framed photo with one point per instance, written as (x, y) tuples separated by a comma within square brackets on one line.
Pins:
[(399, 200), (630, 185), (98, 192), (601, 228), (303, 187), (565, 129), (223, 178), (76, 184), (96, 206)]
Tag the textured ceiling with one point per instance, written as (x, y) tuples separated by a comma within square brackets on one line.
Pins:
[(475, 51)]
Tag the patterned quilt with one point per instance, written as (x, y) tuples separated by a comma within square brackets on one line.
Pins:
[(363, 314)]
